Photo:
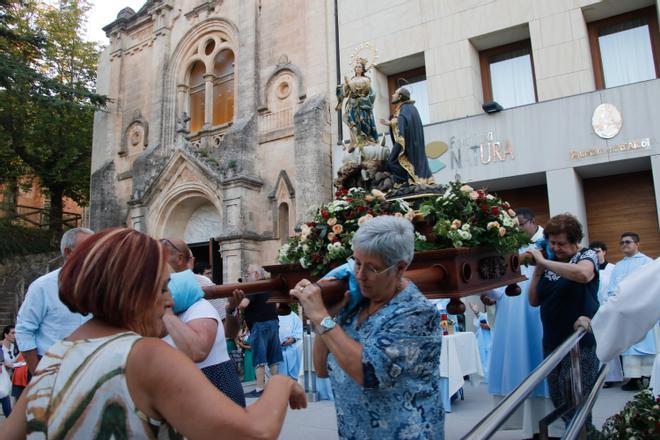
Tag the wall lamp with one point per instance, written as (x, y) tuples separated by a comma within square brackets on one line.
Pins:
[(492, 107)]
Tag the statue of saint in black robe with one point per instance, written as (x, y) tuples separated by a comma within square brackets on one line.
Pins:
[(407, 162)]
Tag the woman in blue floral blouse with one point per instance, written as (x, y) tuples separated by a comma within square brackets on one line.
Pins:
[(383, 355)]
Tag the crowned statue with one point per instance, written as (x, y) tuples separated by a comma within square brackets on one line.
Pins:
[(369, 163), (359, 97)]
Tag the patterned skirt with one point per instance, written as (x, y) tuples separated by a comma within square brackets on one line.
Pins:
[(225, 378)]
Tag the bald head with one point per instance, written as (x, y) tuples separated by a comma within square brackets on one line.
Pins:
[(180, 253)]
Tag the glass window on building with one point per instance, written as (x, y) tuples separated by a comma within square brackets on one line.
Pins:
[(623, 48), (415, 81), (507, 74)]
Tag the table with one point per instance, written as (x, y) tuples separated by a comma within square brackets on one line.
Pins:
[(459, 357)]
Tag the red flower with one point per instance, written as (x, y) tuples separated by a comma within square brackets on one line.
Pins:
[(360, 209), (311, 224), (484, 207), (349, 200), (495, 210), (325, 214)]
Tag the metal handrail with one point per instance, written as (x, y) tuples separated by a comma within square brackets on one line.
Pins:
[(580, 418), (489, 424)]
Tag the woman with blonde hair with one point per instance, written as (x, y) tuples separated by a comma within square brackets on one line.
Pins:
[(113, 377)]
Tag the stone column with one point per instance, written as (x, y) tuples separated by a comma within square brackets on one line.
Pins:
[(312, 156), (137, 215), (208, 100), (181, 100), (240, 244), (565, 194)]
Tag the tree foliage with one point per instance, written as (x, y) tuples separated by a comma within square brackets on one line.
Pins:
[(47, 98)]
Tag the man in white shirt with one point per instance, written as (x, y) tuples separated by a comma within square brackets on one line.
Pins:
[(43, 319), (605, 269), (628, 316)]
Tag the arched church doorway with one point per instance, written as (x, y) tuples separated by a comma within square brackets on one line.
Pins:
[(197, 221)]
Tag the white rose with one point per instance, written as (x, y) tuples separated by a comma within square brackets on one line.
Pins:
[(466, 188)]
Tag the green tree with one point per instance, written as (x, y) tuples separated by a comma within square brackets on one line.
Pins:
[(47, 98)]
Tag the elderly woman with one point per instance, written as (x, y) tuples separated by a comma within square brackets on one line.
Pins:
[(566, 288), (383, 355), (113, 377)]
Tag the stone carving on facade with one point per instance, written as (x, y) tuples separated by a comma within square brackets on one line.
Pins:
[(136, 136)]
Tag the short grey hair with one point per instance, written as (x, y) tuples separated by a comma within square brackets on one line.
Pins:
[(70, 238), (388, 237)]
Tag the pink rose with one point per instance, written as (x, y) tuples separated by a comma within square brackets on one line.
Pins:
[(502, 232), (473, 195), (332, 221), (337, 229), (331, 236), (364, 218), (456, 224)]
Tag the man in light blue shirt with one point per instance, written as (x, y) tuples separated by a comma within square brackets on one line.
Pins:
[(638, 359), (43, 319)]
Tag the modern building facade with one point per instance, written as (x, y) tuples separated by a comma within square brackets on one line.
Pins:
[(550, 103)]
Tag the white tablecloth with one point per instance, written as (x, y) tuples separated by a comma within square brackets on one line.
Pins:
[(459, 357)]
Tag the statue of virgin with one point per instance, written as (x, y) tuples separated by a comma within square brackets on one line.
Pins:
[(358, 110)]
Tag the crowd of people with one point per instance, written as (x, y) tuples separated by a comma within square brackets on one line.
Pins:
[(120, 339)]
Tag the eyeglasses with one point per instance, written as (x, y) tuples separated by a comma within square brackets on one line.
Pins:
[(625, 242), (167, 242), (524, 223), (370, 270)]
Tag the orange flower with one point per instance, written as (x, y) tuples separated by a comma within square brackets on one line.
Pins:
[(337, 229)]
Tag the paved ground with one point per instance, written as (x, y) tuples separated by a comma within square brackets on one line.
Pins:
[(318, 421)]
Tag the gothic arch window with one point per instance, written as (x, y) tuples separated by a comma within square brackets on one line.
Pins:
[(210, 84), (283, 222), (197, 95), (223, 87)]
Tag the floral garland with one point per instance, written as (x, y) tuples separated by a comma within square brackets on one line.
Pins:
[(325, 242), (461, 217), (639, 419), (465, 217)]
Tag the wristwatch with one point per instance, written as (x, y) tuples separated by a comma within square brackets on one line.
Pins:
[(326, 325)]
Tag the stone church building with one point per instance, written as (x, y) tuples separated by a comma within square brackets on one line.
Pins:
[(218, 130)]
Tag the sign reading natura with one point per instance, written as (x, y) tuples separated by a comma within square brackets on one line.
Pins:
[(475, 150)]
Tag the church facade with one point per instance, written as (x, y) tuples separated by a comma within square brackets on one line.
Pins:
[(218, 127)]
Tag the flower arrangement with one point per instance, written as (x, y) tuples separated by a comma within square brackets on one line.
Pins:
[(465, 217), (325, 242), (639, 419)]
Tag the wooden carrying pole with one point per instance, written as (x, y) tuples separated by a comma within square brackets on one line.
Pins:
[(428, 279)]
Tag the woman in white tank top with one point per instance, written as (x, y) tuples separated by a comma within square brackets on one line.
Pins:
[(113, 378)]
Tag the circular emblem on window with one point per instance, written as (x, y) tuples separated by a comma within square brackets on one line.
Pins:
[(606, 121)]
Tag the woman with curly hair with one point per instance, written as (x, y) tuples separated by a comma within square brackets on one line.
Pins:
[(566, 288)]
